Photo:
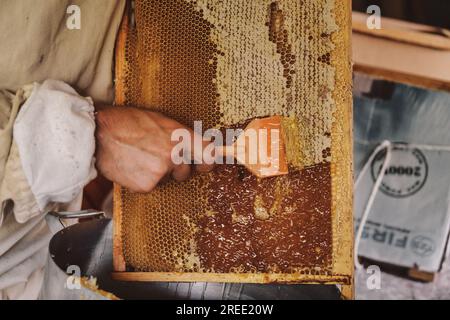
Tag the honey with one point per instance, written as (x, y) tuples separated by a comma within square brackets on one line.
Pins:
[(224, 62)]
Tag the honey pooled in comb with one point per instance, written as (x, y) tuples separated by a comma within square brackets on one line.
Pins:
[(278, 224)]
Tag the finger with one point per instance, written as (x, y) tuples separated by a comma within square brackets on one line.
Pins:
[(181, 172), (150, 173)]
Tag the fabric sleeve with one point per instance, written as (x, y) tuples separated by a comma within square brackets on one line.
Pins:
[(51, 157)]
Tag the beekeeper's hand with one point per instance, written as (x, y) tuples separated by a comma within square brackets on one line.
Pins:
[(134, 148)]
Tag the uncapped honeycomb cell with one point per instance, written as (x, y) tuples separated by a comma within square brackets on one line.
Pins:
[(225, 62)]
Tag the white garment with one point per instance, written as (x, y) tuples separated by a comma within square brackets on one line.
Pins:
[(23, 253), (54, 133), (54, 136), (36, 45)]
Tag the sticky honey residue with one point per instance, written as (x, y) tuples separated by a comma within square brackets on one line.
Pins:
[(295, 146), (91, 284), (190, 260), (281, 189), (261, 212), (273, 224)]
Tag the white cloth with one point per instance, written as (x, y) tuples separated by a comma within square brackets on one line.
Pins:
[(23, 251), (54, 132), (54, 136)]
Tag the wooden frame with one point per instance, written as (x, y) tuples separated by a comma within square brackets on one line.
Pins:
[(402, 51), (342, 181)]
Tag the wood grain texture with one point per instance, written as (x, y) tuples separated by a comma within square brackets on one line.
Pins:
[(433, 41), (403, 52), (342, 149), (119, 263), (230, 278), (402, 77)]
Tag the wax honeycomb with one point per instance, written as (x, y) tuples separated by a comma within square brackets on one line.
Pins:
[(224, 62)]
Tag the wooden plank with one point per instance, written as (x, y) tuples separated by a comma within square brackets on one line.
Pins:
[(402, 77), (421, 275), (403, 52), (230, 277), (414, 37), (342, 148), (119, 263), (348, 292)]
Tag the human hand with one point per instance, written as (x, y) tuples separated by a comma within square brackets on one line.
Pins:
[(134, 148)]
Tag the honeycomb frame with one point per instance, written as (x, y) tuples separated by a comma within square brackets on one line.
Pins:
[(341, 177)]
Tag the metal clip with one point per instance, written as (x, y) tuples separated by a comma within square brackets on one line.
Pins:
[(90, 213)]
